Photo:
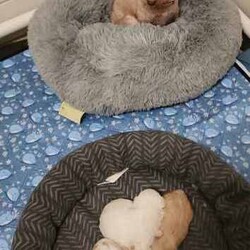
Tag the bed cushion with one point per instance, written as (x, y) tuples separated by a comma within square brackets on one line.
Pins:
[(107, 69)]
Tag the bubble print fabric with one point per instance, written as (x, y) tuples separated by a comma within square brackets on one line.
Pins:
[(33, 137)]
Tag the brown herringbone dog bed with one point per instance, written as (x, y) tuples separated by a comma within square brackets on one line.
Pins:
[(64, 209)]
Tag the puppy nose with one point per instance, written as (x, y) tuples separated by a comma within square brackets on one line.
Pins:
[(166, 1), (151, 2), (160, 2)]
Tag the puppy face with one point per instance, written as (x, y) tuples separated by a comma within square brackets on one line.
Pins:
[(163, 11), (159, 12)]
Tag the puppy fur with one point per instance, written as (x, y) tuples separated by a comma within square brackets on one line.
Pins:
[(178, 215)]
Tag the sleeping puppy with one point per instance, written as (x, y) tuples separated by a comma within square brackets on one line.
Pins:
[(157, 12), (178, 215), (173, 229)]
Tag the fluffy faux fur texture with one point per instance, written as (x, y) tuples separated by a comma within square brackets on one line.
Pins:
[(109, 69)]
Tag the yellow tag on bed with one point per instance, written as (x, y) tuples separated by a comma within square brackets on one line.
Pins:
[(71, 113)]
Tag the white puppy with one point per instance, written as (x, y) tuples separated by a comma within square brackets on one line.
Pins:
[(134, 224)]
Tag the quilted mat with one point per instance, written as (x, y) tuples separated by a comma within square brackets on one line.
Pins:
[(33, 137), (64, 210)]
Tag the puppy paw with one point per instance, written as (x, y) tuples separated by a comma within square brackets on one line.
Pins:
[(159, 233), (106, 244), (129, 20)]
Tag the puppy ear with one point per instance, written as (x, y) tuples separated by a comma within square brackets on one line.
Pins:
[(110, 5)]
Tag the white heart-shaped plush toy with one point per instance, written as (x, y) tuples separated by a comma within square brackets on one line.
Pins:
[(133, 224)]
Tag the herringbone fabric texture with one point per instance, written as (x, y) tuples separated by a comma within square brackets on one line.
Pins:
[(64, 209)]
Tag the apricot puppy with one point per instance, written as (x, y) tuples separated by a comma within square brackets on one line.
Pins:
[(178, 214), (157, 12)]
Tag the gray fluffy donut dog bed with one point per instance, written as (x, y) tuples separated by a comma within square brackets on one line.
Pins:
[(107, 69), (63, 211)]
